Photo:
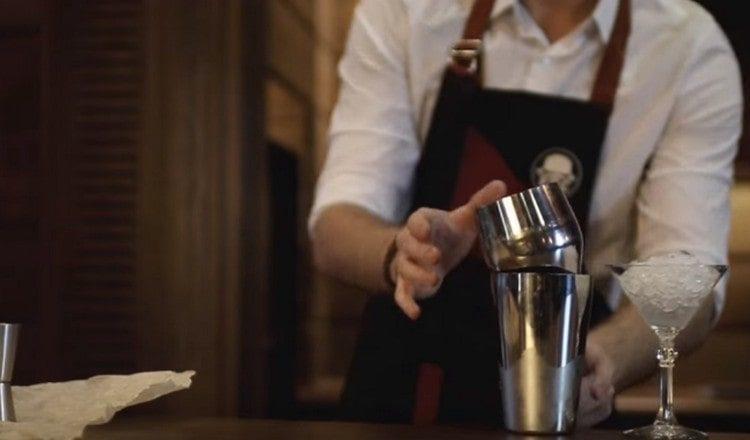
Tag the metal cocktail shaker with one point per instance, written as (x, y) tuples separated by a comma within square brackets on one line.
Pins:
[(532, 229), (543, 322), (533, 245), (8, 343)]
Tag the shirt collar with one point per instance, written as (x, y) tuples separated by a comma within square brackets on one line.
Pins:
[(501, 7), (604, 14)]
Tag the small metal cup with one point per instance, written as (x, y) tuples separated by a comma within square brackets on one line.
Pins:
[(542, 322), (536, 228), (8, 343)]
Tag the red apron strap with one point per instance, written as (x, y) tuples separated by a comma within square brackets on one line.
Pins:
[(465, 53), (478, 19), (427, 394), (608, 76)]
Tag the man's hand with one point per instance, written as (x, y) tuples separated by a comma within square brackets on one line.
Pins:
[(597, 387), (431, 244)]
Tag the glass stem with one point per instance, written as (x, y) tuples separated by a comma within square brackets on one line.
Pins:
[(666, 355)]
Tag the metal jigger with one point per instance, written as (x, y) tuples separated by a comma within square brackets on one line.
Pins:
[(8, 343)]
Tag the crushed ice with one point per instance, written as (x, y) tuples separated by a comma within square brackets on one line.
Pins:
[(669, 281)]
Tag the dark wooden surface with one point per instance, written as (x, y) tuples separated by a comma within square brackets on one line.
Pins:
[(230, 429)]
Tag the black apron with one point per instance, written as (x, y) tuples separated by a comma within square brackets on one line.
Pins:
[(444, 366)]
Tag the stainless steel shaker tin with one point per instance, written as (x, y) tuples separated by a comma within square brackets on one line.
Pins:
[(531, 229), (542, 325)]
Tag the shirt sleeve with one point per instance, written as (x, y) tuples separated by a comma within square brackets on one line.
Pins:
[(373, 146), (683, 200)]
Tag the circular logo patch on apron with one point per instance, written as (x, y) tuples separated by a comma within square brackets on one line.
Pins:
[(558, 165)]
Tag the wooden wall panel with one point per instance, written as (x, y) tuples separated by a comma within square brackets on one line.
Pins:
[(255, 223), (24, 252), (189, 225), (144, 142), (333, 309), (291, 41), (97, 163), (121, 163)]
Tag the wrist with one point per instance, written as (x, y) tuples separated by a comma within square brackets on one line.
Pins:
[(629, 343), (388, 273), (601, 338)]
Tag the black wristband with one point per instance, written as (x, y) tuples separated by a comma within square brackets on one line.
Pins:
[(389, 255)]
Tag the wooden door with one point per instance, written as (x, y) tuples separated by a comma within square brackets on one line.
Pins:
[(122, 138)]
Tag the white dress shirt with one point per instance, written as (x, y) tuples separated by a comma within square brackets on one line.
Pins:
[(666, 166)]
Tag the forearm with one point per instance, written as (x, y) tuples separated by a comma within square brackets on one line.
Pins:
[(631, 344), (695, 333), (350, 243)]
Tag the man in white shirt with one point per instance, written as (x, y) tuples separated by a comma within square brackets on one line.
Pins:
[(653, 147)]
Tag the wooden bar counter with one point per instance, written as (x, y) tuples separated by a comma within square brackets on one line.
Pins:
[(241, 429)]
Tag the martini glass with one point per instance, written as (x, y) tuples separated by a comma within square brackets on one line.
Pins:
[(667, 291)]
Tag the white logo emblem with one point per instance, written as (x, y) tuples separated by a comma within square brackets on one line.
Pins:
[(558, 165)]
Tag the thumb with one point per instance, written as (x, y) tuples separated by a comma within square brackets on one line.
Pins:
[(464, 215)]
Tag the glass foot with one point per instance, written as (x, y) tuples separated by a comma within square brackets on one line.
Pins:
[(661, 431)]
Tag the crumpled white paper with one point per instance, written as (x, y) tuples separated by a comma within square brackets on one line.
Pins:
[(61, 411)]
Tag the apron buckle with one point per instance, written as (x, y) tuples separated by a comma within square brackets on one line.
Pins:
[(465, 53)]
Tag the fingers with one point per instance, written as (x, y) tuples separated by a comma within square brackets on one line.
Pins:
[(591, 409), (417, 259), (425, 279), (404, 297), (586, 401), (600, 387), (601, 371), (597, 390), (464, 216), (418, 251), (416, 264), (420, 223), (602, 390), (594, 415), (488, 194)]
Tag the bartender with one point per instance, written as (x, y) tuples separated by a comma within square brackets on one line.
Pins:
[(632, 106)]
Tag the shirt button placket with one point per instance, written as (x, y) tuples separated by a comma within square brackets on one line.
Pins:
[(539, 74)]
